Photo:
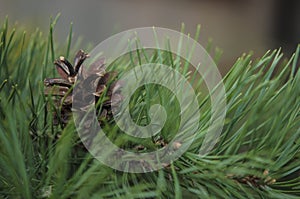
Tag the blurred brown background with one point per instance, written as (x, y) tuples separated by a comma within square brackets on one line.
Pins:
[(236, 26)]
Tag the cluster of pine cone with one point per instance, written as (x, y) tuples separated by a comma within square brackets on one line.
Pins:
[(59, 90)]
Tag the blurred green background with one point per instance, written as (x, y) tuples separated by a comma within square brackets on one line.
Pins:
[(236, 26)]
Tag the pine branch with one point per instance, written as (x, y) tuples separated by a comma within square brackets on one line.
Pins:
[(257, 155)]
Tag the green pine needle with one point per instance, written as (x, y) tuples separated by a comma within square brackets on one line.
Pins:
[(257, 155)]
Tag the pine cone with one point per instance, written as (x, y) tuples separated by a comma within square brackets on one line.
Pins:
[(60, 89)]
